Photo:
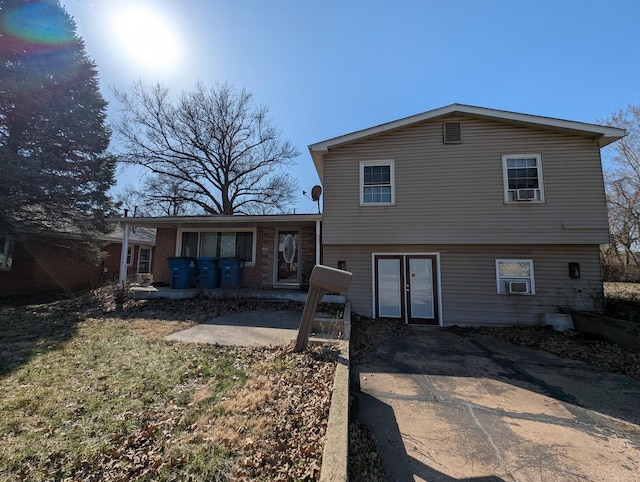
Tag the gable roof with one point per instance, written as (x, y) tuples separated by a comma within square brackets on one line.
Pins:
[(137, 235), (603, 134)]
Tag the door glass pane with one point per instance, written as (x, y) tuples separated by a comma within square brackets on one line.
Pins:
[(288, 257), (421, 288), (389, 288)]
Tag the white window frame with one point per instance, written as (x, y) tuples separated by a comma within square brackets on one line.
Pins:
[(510, 194), (130, 252), (389, 163), (214, 230), (140, 248), (6, 246), (502, 281)]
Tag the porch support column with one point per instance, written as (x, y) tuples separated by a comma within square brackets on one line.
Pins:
[(318, 240), (123, 255)]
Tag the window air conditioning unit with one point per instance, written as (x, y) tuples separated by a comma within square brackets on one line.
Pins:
[(517, 287), (525, 194)]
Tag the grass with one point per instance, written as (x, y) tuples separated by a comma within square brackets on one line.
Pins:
[(90, 391), (78, 406)]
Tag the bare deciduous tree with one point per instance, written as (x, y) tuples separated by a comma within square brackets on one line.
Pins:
[(622, 176), (156, 197), (221, 149)]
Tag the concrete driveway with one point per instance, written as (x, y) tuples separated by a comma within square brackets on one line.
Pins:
[(447, 408)]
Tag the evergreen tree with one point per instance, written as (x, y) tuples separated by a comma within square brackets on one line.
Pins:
[(55, 172)]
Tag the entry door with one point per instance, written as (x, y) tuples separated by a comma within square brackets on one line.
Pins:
[(288, 256), (406, 287)]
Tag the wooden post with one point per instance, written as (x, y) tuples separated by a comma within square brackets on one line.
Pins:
[(322, 280), (313, 298)]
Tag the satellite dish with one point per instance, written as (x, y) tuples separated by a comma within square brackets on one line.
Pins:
[(316, 191)]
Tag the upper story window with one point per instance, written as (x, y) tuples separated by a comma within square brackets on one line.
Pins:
[(515, 276), (522, 176), (6, 254), (219, 244), (376, 183)]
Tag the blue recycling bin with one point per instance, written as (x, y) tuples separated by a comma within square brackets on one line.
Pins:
[(208, 269), (231, 271), (183, 272)]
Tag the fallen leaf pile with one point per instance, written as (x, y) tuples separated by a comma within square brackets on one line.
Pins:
[(280, 417), (570, 345), (364, 462)]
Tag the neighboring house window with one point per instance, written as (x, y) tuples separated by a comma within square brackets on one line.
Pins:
[(129, 252), (219, 244), (515, 276), (6, 254), (144, 260), (522, 175), (376, 183)]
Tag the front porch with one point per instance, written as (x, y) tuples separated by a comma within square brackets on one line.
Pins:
[(277, 252)]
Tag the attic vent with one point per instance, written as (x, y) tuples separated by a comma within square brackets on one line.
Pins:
[(452, 132)]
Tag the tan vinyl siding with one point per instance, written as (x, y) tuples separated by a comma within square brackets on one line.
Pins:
[(453, 193), (468, 278)]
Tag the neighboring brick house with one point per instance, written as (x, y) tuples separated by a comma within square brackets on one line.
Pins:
[(140, 252), (41, 265), (279, 251)]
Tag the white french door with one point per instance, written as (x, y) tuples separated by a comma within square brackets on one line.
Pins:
[(406, 287)]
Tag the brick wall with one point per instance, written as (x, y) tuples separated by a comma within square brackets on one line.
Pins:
[(308, 247), (258, 276), (43, 267), (112, 262), (165, 248), (266, 250)]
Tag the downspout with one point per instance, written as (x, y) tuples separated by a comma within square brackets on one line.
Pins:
[(318, 239), (123, 255)]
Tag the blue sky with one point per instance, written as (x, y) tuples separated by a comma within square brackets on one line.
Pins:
[(327, 68)]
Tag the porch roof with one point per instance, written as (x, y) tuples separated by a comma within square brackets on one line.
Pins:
[(221, 220)]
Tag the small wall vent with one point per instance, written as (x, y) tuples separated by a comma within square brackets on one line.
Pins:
[(452, 132)]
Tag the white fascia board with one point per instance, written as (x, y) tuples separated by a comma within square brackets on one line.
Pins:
[(213, 220), (605, 134)]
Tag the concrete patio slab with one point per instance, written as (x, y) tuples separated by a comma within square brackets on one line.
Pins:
[(249, 328)]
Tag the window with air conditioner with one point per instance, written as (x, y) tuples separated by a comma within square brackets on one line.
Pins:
[(377, 183), (515, 276), (522, 177)]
